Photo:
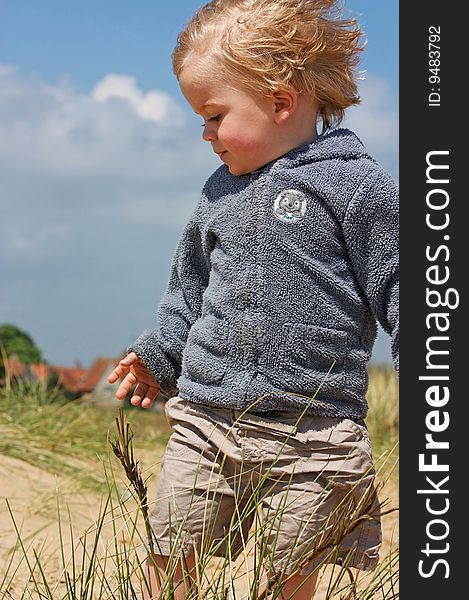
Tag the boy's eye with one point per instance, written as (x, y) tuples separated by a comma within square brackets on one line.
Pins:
[(211, 120)]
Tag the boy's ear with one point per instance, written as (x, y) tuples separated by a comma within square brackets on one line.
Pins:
[(285, 104)]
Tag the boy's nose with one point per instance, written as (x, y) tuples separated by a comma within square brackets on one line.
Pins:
[(209, 133)]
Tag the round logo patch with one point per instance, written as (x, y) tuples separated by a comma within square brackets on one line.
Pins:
[(290, 206)]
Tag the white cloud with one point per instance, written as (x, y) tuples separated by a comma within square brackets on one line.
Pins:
[(53, 129), (152, 106), (68, 158)]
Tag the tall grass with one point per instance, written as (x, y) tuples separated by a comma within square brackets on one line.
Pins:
[(107, 560), (383, 414), (42, 428)]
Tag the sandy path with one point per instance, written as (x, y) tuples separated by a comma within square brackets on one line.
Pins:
[(34, 496)]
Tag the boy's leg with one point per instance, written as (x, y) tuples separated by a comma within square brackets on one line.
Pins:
[(298, 587), (157, 576)]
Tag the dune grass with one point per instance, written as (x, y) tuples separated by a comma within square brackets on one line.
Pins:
[(383, 414), (42, 428), (107, 560)]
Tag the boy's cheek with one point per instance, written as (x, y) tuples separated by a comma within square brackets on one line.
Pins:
[(243, 144), (237, 136)]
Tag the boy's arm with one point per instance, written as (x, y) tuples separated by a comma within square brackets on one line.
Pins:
[(161, 350), (371, 230)]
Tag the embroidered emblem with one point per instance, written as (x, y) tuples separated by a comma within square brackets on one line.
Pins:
[(290, 206)]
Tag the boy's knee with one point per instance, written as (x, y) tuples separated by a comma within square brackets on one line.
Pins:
[(169, 564)]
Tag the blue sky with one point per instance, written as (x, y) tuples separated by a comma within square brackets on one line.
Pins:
[(101, 162)]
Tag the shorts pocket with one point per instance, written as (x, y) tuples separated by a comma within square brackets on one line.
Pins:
[(170, 404), (352, 429), (353, 437)]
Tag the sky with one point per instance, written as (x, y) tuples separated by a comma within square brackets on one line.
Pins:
[(101, 162)]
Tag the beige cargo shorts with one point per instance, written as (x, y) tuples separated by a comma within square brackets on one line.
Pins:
[(302, 486)]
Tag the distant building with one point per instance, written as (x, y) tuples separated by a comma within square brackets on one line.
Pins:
[(71, 378), (98, 391), (90, 385), (75, 380), (14, 369)]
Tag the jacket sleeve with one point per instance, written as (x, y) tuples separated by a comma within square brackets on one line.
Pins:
[(371, 230), (161, 349)]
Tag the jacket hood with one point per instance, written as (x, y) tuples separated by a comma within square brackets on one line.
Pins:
[(341, 144)]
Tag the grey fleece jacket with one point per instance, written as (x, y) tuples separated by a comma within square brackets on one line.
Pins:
[(277, 283)]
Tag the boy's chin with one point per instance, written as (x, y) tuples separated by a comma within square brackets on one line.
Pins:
[(238, 171)]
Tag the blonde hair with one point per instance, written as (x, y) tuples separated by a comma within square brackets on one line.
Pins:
[(301, 45)]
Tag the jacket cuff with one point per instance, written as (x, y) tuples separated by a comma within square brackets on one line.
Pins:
[(148, 348)]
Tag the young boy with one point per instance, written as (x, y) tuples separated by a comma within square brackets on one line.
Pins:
[(287, 263)]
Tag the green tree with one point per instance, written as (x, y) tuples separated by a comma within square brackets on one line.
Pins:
[(16, 342)]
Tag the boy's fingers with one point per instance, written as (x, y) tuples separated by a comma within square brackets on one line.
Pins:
[(139, 393), (150, 396), (123, 367), (116, 374), (129, 359), (127, 384)]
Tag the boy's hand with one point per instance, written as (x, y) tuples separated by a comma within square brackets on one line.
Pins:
[(134, 373)]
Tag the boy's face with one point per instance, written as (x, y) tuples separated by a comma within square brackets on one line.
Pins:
[(241, 128)]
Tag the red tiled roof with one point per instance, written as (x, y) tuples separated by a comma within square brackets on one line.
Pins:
[(81, 380), (73, 379), (40, 371), (97, 370), (14, 367)]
